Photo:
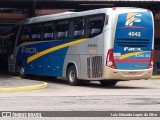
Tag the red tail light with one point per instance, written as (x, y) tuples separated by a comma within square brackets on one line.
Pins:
[(114, 8), (148, 10), (151, 60), (110, 59)]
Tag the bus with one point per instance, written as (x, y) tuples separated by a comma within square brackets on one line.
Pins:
[(106, 45)]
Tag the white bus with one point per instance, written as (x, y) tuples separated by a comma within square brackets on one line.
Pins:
[(106, 45)]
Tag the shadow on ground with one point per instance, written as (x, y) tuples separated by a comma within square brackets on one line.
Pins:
[(52, 80), (92, 84)]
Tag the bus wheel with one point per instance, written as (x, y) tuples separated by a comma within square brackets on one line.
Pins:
[(22, 72), (72, 76), (108, 83)]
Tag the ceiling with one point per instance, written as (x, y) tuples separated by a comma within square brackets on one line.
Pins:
[(153, 5), (15, 10)]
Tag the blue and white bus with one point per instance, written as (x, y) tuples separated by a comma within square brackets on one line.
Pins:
[(106, 45)]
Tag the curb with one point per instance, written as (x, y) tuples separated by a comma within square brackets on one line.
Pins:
[(155, 77), (25, 88)]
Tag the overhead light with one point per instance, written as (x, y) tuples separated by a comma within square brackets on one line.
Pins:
[(97, 4), (71, 9)]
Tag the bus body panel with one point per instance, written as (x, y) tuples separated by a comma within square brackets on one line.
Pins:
[(131, 61), (86, 52), (133, 40), (51, 58), (119, 75), (48, 64)]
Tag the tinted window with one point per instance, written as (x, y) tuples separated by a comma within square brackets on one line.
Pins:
[(78, 27), (95, 25), (48, 31), (62, 29), (24, 35), (36, 32)]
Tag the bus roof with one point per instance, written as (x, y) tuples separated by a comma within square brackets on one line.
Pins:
[(64, 15), (59, 16)]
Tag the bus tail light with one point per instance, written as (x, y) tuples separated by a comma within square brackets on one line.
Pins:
[(148, 10), (114, 8), (151, 60), (110, 59)]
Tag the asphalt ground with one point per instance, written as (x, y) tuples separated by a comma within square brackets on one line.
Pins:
[(10, 83), (141, 95)]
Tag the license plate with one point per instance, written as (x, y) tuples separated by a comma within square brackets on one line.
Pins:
[(132, 73)]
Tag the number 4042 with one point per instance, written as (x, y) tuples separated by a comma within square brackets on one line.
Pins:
[(138, 34)]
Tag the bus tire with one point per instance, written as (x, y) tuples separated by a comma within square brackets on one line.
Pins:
[(72, 76), (22, 72), (108, 82)]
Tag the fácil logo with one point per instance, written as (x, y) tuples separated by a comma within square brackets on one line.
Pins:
[(132, 49), (131, 18), (29, 50)]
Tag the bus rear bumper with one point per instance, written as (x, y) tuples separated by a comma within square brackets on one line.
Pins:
[(110, 73)]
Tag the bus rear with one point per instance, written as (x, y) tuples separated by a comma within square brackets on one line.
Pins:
[(132, 54)]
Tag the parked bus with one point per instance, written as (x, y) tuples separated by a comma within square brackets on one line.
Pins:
[(106, 45)]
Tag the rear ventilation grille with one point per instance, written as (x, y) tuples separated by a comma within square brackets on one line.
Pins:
[(94, 67), (133, 42)]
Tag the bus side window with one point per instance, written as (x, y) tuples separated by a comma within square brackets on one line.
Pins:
[(62, 28), (95, 25), (24, 35), (36, 32), (79, 24), (48, 31)]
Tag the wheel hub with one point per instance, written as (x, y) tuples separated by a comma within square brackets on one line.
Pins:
[(72, 76)]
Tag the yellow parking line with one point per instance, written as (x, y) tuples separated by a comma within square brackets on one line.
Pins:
[(25, 88), (155, 77)]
